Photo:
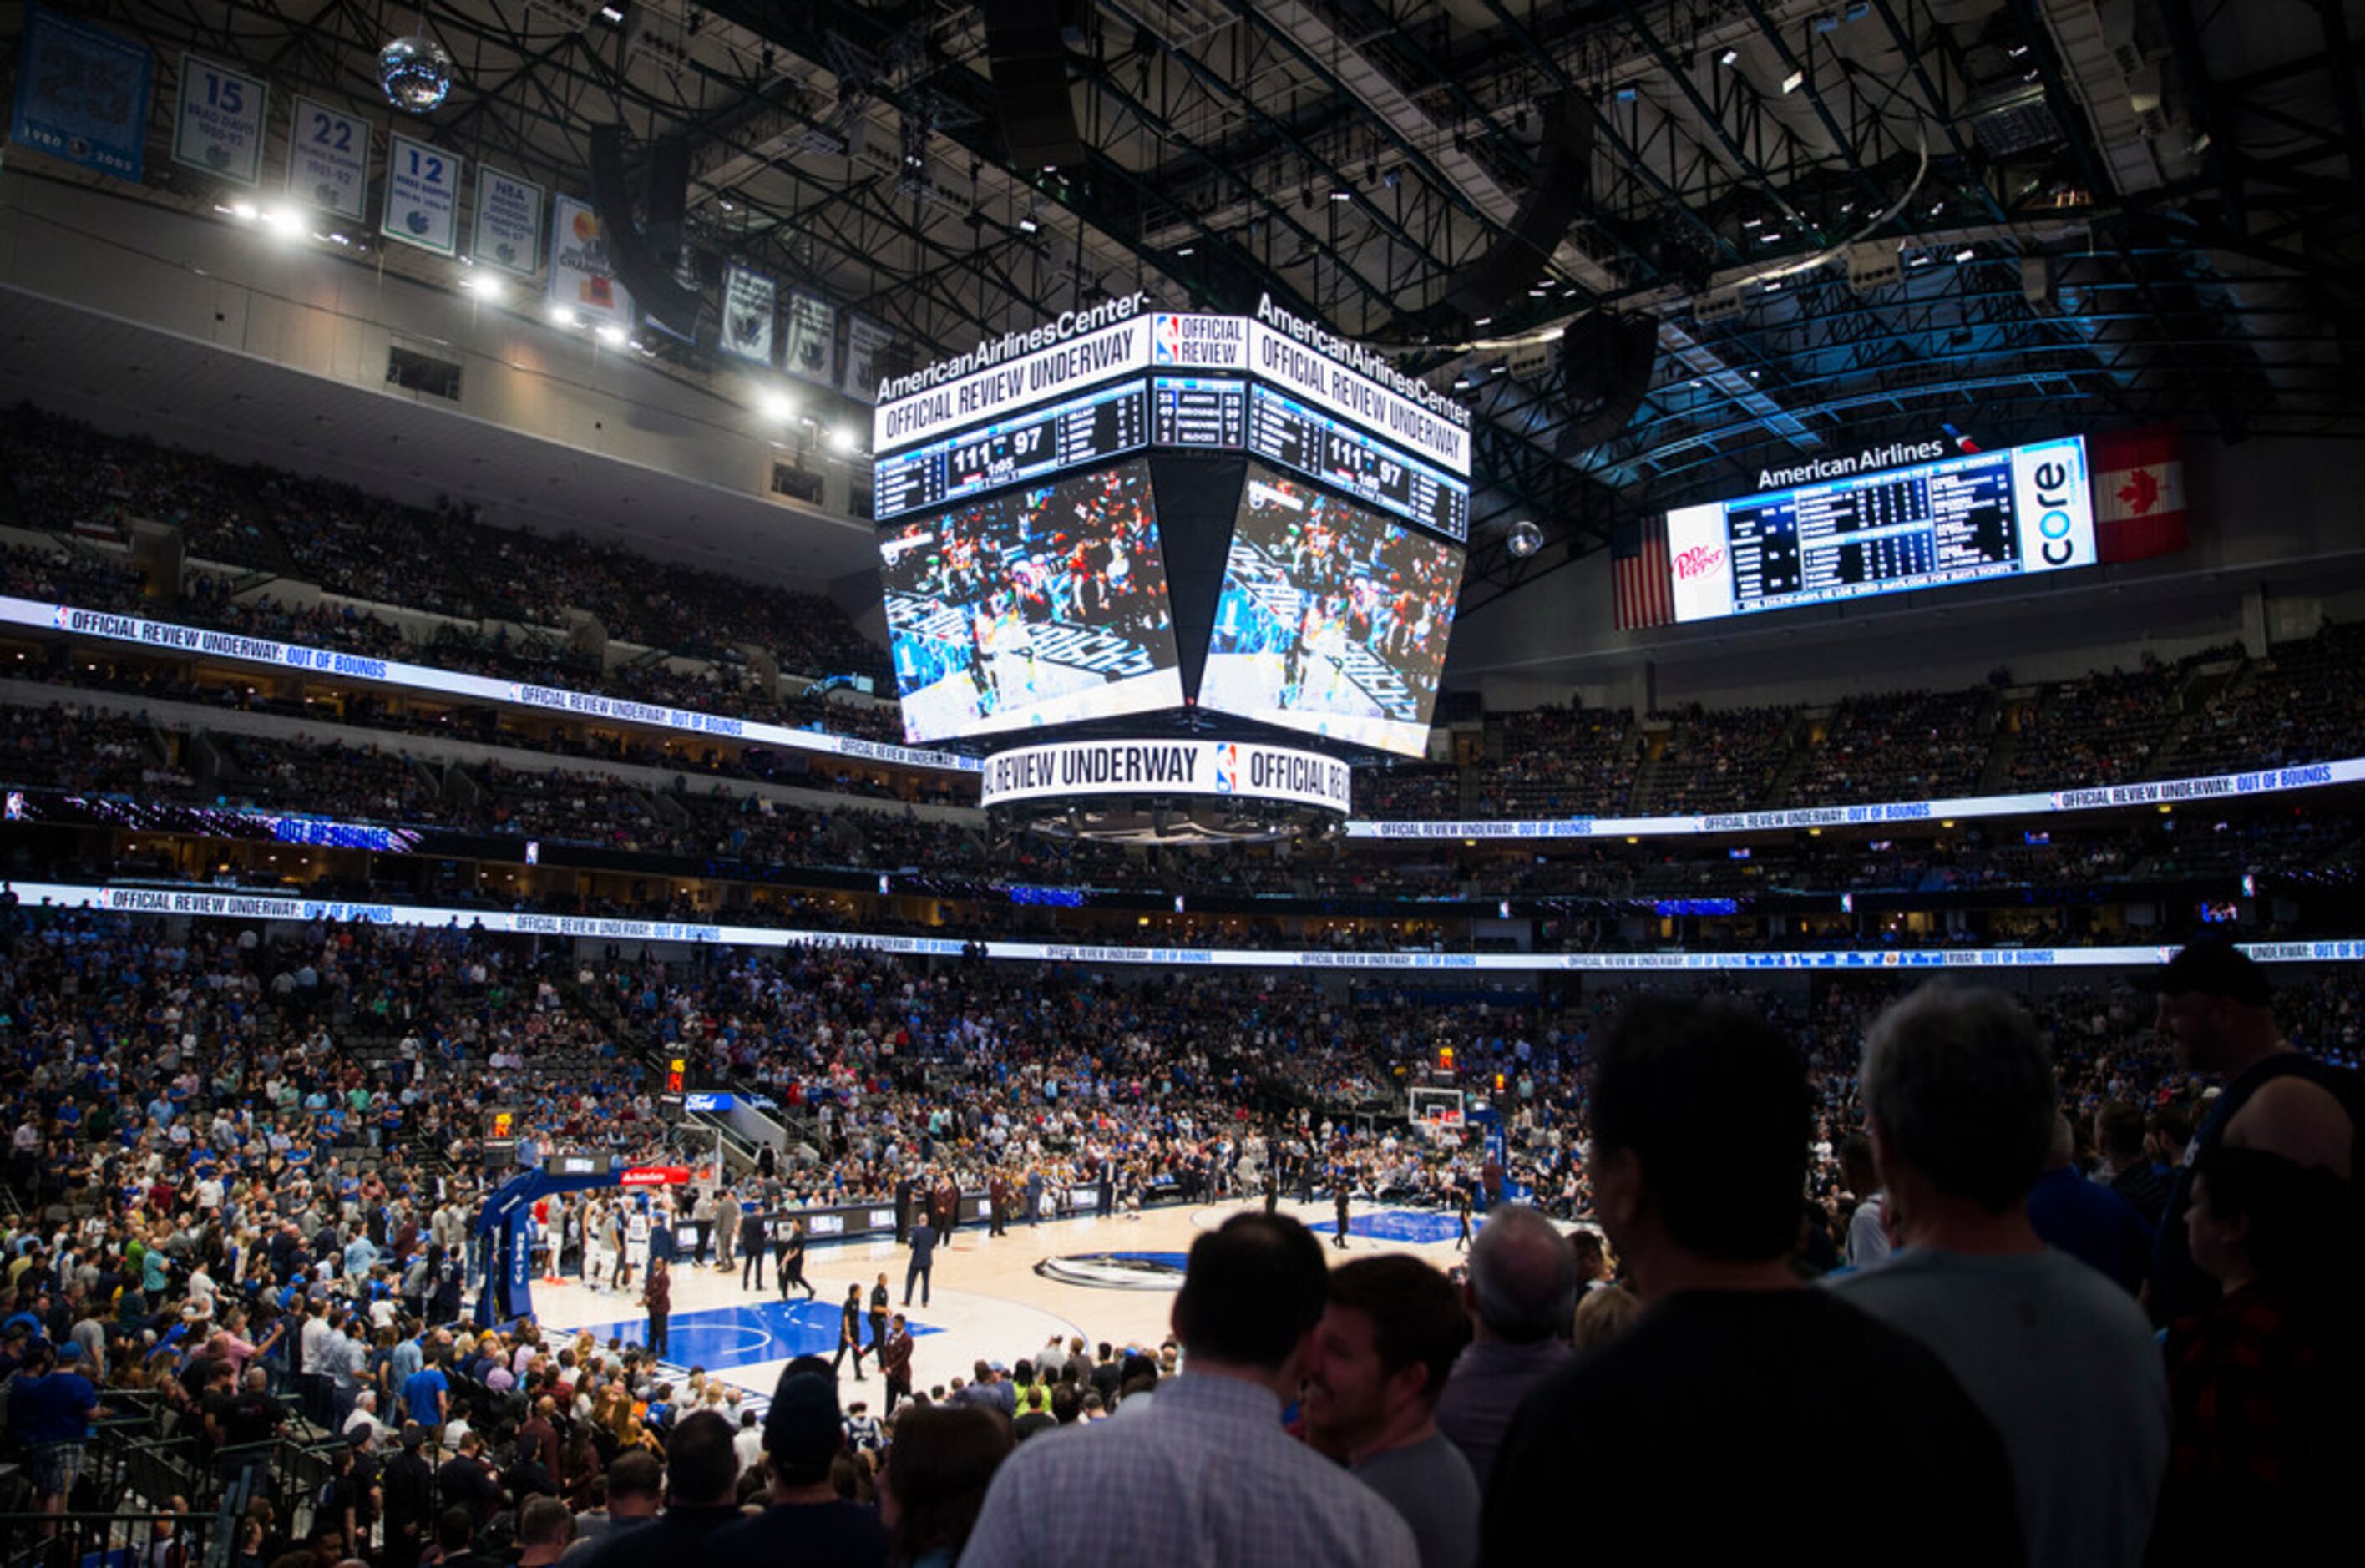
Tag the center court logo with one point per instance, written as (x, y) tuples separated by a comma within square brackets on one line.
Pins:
[(1116, 1271)]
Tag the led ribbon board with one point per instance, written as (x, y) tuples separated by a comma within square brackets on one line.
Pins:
[(1237, 770)]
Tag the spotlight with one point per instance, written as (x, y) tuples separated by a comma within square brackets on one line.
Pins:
[(611, 335), (415, 74), (1524, 540), (1965, 255), (1730, 57), (563, 316), (1793, 82), (840, 439), (1026, 225), (245, 211), (775, 406), (285, 221), (487, 286)]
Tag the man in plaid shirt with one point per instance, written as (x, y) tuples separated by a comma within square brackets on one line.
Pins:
[(1205, 1475)]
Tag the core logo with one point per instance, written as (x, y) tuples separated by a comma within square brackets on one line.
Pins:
[(1699, 561), (2053, 524), (1228, 768)]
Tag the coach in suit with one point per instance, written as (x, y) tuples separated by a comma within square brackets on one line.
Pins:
[(923, 1261), (753, 1234), (904, 1208)]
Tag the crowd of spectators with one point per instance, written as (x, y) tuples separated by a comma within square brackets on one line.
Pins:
[(1901, 745), (1718, 761), (1561, 762), (247, 1172), (442, 558)]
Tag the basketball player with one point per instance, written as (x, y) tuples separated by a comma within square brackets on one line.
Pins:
[(790, 1260)]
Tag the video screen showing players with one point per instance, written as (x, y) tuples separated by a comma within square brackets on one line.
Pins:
[(1040, 606), (1332, 620)]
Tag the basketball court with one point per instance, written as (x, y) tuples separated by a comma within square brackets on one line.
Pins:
[(1103, 1278)]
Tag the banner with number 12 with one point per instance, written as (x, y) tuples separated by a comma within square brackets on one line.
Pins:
[(422, 197)]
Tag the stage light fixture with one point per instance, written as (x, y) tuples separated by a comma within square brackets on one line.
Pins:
[(1793, 82), (611, 335)]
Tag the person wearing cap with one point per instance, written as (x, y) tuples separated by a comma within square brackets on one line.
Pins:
[(807, 1523), (2216, 1009), (1207, 1474)]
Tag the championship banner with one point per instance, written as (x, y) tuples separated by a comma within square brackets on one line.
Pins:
[(866, 344), (509, 223), (1244, 770), (580, 276), (82, 95), (813, 338), (206, 903), (218, 121), (422, 197), (328, 160), (751, 305)]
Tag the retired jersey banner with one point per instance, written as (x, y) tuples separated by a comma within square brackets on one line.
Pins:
[(328, 160), (813, 338), (751, 305), (82, 95), (581, 276), (422, 197), (218, 121), (866, 344), (509, 223)]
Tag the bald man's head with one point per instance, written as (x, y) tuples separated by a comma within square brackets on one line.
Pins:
[(1522, 1276)]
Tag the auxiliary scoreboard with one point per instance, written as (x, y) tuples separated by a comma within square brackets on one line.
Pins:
[(1271, 386)]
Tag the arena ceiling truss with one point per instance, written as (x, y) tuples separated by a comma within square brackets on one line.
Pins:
[(1849, 221)]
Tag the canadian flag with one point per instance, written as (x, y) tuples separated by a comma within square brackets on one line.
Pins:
[(2138, 494)]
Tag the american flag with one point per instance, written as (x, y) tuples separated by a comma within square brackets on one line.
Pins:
[(1640, 576)]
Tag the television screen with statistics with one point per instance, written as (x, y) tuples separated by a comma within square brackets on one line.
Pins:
[(1850, 527), (1332, 620), (1039, 606)]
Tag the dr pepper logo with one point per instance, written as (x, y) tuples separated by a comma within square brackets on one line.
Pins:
[(1699, 561)]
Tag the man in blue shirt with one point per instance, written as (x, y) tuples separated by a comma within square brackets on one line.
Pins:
[(427, 1396)]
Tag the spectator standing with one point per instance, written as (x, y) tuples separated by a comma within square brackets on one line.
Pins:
[(1387, 1341), (2086, 1219), (1960, 1096), (1697, 1435), (1868, 1237), (935, 1481), (2264, 1382), (1207, 1475), (2119, 1132), (2216, 1007), (409, 1485), (702, 1496), (807, 1523), (1520, 1297)]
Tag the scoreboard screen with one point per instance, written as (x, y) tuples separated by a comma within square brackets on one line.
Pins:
[(1079, 433), (1038, 605), (1296, 436), (1198, 413), (1989, 514), (1332, 618)]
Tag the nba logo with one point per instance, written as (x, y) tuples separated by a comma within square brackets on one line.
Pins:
[(64, 616), (1166, 340), (1228, 768)]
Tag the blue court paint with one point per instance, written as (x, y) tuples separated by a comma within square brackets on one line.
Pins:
[(1411, 1226), (1171, 1260), (724, 1337)]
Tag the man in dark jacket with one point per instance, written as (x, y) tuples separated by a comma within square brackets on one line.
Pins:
[(753, 1234), (702, 1495)]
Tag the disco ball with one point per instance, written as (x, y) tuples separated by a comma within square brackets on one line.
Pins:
[(1524, 540), (416, 73)]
